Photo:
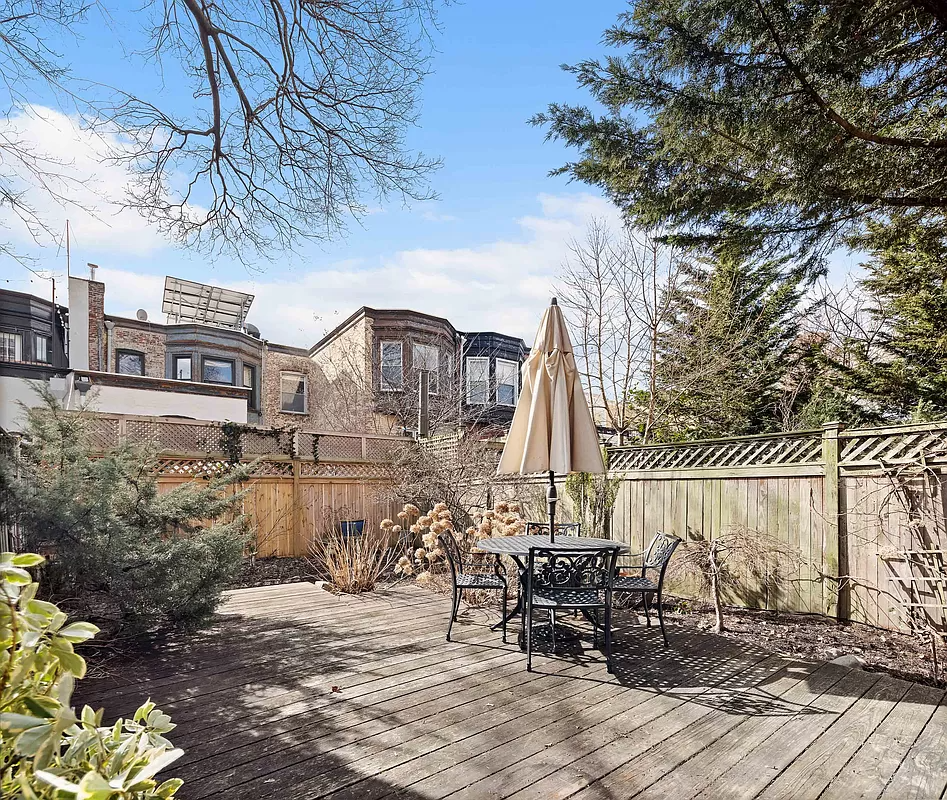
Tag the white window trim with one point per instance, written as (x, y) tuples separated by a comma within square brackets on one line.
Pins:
[(17, 339), (516, 382), (42, 337), (305, 380), (437, 372), (381, 366), (487, 393)]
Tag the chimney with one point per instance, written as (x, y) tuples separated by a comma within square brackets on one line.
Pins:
[(86, 323)]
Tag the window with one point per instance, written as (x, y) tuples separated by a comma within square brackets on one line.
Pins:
[(425, 356), (217, 370), (41, 345), (293, 392), (181, 367), (249, 381), (478, 381), (11, 347), (130, 363), (507, 372), (391, 366)]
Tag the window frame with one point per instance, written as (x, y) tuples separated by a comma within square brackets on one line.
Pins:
[(233, 370), (124, 351), (47, 348), (516, 382), (17, 338), (382, 385), (305, 380), (486, 381), (175, 358), (254, 399), (433, 385)]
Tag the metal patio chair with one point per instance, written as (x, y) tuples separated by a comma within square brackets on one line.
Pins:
[(570, 580), (469, 574), (656, 559)]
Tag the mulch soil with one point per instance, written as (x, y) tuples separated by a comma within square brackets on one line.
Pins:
[(811, 637), (270, 571)]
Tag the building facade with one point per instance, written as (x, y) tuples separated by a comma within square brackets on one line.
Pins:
[(362, 376), (32, 351)]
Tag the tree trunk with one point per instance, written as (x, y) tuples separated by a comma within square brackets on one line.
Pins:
[(715, 590)]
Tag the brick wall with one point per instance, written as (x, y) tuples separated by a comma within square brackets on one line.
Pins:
[(141, 340), (96, 324), (276, 362)]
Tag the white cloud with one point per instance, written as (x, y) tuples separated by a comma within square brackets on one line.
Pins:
[(87, 191), (433, 216), (501, 285)]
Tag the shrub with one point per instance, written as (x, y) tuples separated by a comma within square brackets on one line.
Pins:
[(46, 750), (351, 564), (127, 551)]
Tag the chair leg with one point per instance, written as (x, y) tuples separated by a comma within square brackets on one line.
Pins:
[(552, 628), (646, 602), (528, 628), (661, 619), (504, 615), (608, 635), (454, 605)]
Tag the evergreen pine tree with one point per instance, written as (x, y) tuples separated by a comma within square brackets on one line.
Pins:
[(724, 357), (133, 556), (902, 373)]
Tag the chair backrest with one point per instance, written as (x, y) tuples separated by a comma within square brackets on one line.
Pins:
[(455, 559), (354, 527), (557, 568), (564, 528), (659, 552)]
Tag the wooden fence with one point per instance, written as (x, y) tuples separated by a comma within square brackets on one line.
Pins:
[(301, 479), (864, 508)]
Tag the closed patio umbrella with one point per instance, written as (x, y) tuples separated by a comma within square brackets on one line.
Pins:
[(552, 428)]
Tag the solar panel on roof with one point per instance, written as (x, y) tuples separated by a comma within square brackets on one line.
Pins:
[(189, 301)]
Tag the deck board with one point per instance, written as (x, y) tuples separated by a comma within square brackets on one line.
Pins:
[(295, 693)]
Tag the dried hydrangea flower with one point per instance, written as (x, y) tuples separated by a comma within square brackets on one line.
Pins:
[(386, 524), (402, 515), (425, 521)]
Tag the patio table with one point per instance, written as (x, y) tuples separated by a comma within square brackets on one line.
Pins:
[(517, 548)]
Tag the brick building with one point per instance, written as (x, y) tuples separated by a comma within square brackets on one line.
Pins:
[(206, 362)]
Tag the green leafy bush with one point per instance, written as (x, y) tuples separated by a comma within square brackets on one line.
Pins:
[(131, 557), (46, 750)]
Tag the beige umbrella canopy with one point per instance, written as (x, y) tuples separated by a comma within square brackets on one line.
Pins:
[(552, 428)]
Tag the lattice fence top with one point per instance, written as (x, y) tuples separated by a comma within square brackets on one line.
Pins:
[(206, 441), (799, 448), (896, 446)]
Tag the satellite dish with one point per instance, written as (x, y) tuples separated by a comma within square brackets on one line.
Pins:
[(142, 315), (253, 330)]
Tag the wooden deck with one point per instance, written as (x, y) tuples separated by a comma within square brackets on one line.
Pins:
[(299, 694)]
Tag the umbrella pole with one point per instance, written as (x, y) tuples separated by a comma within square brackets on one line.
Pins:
[(552, 496)]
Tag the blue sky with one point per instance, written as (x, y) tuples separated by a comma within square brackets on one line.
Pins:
[(485, 255), (496, 64)]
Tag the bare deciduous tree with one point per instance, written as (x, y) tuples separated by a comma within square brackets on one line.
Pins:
[(298, 116), (616, 291)]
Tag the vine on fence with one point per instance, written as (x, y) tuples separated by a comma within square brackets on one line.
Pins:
[(233, 433)]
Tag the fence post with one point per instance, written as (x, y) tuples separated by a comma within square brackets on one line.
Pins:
[(297, 510), (832, 541)]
